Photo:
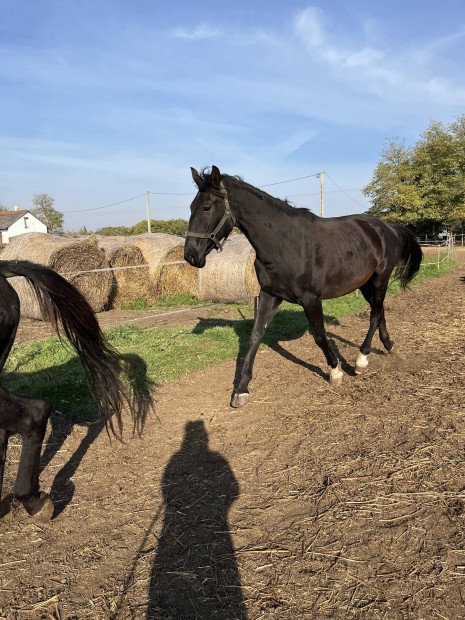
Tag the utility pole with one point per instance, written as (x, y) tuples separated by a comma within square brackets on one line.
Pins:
[(147, 201), (321, 176)]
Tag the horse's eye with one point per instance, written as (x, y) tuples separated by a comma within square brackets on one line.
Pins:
[(207, 207)]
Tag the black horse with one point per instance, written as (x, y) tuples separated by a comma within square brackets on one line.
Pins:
[(301, 258), (71, 315)]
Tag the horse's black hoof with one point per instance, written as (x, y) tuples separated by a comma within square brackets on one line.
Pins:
[(40, 508), (238, 400)]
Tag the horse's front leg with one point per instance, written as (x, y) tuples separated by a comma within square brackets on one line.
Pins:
[(32, 423), (267, 307), (314, 313)]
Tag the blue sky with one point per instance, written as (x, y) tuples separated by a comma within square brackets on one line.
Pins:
[(104, 100)]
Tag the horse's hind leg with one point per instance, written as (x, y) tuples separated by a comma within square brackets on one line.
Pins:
[(28, 417), (4, 435), (374, 292), (314, 313), (267, 307), (26, 488)]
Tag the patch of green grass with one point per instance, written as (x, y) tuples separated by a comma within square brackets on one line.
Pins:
[(176, 301), (47, 369), (173, 301), (136, 304)]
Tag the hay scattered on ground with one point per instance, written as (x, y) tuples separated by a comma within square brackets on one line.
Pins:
[(230, 275), (73, 258)]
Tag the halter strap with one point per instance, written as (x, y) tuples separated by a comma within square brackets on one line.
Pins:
[(226, 215)]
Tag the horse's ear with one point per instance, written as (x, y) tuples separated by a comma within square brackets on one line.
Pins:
[(215, 177), (196, 176)]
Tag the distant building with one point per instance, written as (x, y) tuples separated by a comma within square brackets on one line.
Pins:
[(18, 222)]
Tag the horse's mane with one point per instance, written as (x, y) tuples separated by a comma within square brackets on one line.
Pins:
[(238, 183)]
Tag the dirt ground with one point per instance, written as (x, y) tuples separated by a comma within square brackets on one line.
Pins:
[(308, 503)]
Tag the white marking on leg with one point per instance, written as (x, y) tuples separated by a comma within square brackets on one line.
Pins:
[(361, 363), (335, 375)]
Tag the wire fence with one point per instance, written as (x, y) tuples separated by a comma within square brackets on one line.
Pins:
[(442, 249)]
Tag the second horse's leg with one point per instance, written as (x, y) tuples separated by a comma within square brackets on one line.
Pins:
[(28, 417), (267, 306), (3, 448)]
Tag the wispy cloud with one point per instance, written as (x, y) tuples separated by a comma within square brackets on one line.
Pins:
[(198, 33), (410, 70)]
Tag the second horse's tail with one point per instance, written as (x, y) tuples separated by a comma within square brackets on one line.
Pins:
[(70, 314), (411, 255)]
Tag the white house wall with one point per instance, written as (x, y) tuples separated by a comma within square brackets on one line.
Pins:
[(19, 227)]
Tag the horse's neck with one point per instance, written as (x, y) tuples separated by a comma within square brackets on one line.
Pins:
[(259, 220)]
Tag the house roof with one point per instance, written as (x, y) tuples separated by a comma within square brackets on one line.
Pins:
[(7, 218)]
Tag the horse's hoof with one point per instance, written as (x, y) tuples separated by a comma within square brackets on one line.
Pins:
[(361, 365), (335, 376), (41, 509), (238, 400), (391, 350), (335, 382)]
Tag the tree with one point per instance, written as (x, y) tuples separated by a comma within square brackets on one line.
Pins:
[(111, 231), (392, 190), (170, 227), (46, 213), (423, 185)]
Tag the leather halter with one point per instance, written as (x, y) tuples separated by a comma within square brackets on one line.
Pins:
[(227, 215)]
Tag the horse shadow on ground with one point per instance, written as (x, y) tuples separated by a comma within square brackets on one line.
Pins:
[(66, 416), (287, 325)]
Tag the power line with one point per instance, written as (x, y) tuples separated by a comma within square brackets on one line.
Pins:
[(334, 191), (105, 206), (344, 192), (309, 176), (290, 180)]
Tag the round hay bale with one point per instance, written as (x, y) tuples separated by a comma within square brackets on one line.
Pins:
[(130, 281), (230, 275), (68, 256), (167, 279)]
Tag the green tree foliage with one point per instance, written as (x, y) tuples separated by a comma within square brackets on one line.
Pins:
[(46, 213), (171, 227), (111, 231), (423, 185)]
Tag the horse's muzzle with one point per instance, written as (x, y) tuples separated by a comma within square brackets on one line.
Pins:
[(193, 258)]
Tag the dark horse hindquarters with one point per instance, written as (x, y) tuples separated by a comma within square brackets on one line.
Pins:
[(70, 314), (302, 259)]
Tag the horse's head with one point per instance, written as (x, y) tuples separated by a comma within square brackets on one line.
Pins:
[(211, 219)]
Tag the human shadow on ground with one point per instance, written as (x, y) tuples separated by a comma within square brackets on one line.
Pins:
[(287, 325), (194, 574), (66, 416)]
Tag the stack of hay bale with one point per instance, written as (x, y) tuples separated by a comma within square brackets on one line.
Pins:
[(230, 275), (113, 272), (80, 261)]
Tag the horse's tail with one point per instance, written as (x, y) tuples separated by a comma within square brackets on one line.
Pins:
[(411, 255), (70, 314)]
